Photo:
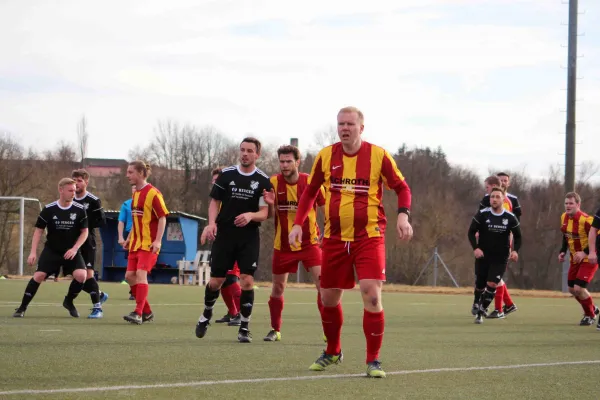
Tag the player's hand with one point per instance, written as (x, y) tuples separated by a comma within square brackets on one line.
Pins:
[(579, 256), (514, 256), (121, 241), (31, 259), (295, 236), (125, 244), (269, 196), (478, 253), (593, 257), (243, 219), (70, 254), (404, 229), (211, 232), (561, 257), (155, 246)]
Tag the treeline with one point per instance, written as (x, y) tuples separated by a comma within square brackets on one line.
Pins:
[(445, 198)]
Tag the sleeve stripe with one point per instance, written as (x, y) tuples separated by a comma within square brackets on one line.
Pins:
[(42, 218)]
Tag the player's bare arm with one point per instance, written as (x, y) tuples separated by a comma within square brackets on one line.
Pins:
[(120, 229), (160, 231), (403, 227), (35, 241), (269, 197), (213, 211), (72, 252)]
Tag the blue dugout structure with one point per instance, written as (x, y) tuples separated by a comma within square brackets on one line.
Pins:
[(180, 242)]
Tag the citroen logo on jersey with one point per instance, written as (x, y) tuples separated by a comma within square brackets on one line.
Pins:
[(253, 185), (505, 221), (73, 216)]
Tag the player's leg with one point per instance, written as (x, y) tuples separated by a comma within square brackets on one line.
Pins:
[(585, 274), (247, 254), (228, 292), (498, 298), (76, 268), (130, 276), (88, 252), (496, 269), (480, 284), (476, 291), (312, 259), (276, 302), (370, 269), (222, 258), (46, 265), (337, 273), (571, 279)]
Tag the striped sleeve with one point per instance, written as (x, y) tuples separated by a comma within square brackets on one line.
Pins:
[(315, 180), (158, 205), (321, 197), (393, 179)]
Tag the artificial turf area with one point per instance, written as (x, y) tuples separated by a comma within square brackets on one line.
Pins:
[(431, 350)]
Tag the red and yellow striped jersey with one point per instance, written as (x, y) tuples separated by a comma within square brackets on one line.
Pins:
[(507, 204), (147, 206), (353, 191), (287, 196), (576, 230)]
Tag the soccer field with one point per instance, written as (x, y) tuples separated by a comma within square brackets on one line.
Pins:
[(431, 350)]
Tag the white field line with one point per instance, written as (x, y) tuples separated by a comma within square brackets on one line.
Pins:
[(287, 379), (34, 304)]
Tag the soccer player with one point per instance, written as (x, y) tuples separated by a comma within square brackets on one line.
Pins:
[(594, 244), (149, 220), (289, 185), (96, 218), (576, 226), (124, 226), (231, 289), (237, 207), (511, 203), (492, 251), (353, 173), (67, 226)]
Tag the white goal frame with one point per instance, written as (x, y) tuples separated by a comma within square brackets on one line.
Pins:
[(21, 201)]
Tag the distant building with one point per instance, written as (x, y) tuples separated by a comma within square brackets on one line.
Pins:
[(103, 167)]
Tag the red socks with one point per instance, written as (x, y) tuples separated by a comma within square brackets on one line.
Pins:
[(588, 307), (373, 324), (332, 320), (276, 309), (133, 290), (229, 300), (236, 289), (140, 297), (507, 299), (498, 298)]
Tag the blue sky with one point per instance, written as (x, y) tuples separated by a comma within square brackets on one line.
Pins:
[(482, 79)]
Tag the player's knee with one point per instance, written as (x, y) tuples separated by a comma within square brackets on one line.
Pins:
[(492, 285), (80, 275), (39, 277), (89, 273), (278, 289), (247, 282), (330, 297)]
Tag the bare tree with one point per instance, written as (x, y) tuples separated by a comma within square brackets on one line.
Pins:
[(82, 138), (326, 136)]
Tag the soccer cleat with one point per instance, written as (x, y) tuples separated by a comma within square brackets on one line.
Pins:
[(474, 309), (244, 336), (96, 313), (596, 312), (479, 319), (598, 326), (226, 318), (148, 317), (586, 321), (201, 328), (509, 310), (325, 360), (495, 314), (131, 297), (133, 318), (19, 313), (235, 321), (273, 336), (103, 297), (374, 370), (68, 304)]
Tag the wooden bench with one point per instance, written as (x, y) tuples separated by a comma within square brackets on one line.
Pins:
[(195, 272)]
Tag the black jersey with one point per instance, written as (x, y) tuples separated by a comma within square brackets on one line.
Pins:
[(514, 204), (596, 224), (494, 233), (64, 225), (94, 211), (239, 193)]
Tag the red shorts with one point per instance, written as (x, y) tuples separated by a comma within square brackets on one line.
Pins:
[(583, 271), (235, 270), (367, 256), (285, 262), (141, 260)]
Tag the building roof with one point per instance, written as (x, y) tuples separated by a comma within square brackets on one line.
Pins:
[(115, 214), (104, 162)]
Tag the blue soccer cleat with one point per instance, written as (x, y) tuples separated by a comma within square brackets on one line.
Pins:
[(103, 297), (96, 313)]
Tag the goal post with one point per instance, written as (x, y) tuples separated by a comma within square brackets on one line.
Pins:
[(21, 201)]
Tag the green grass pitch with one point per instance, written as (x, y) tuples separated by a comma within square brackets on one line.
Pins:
[(431, 349)]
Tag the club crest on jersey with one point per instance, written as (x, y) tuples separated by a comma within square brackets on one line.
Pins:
[(505, 221), (253, 185), (73, 216), (86, 205)]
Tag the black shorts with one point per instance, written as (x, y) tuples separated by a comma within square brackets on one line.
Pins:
[(489, 270), (51, 261), (231, 245), (88, 252)]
